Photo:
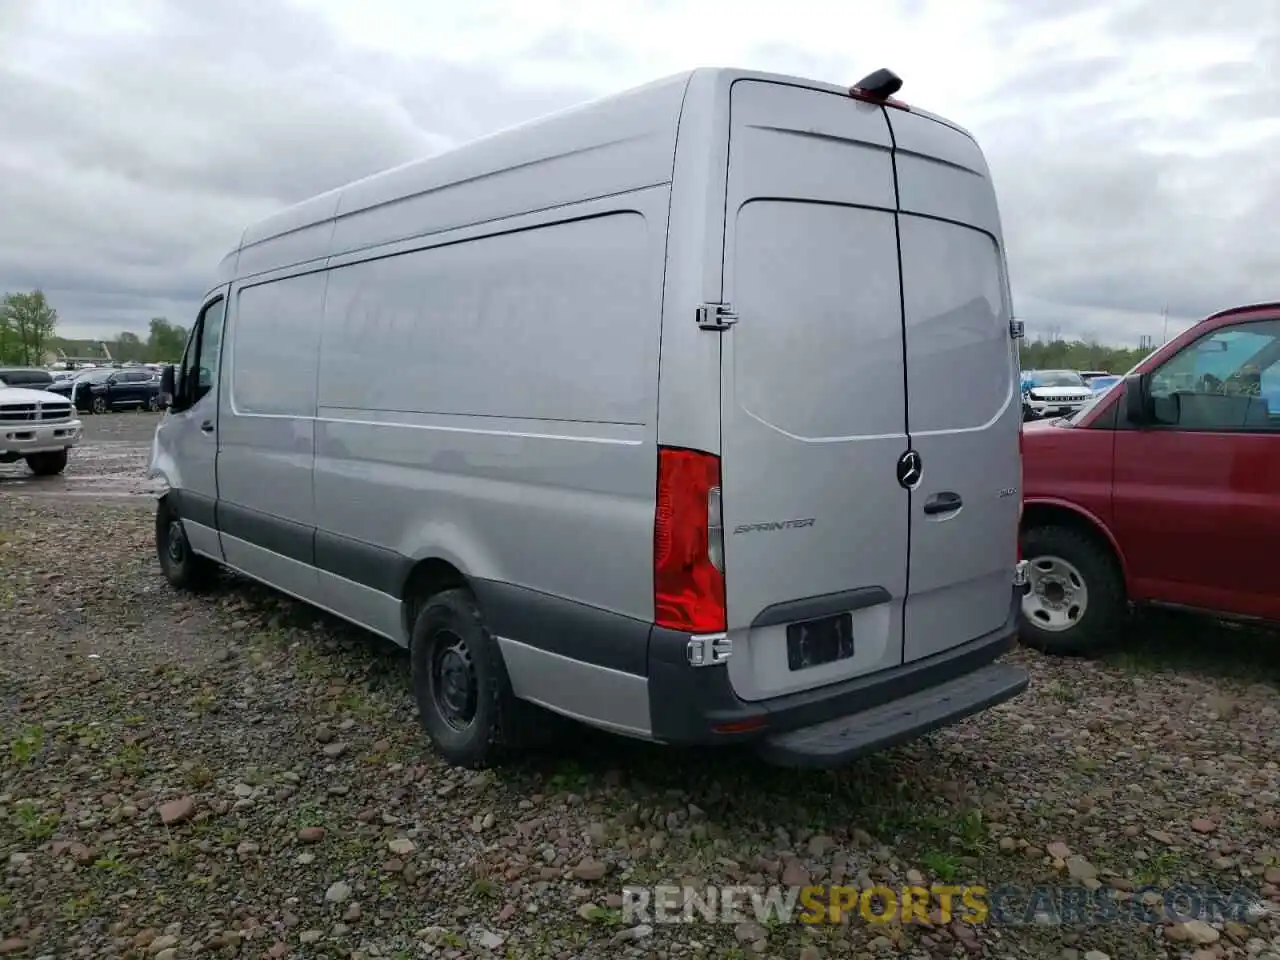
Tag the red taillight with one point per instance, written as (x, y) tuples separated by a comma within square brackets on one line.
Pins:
[(688, 590)]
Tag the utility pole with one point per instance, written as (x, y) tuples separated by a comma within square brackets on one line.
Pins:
[(1165, 314)]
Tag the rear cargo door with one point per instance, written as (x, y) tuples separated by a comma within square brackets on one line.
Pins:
[(813, 402), (962, 407)]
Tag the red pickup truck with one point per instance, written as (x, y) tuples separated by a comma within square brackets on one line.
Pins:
[(1166, 490)]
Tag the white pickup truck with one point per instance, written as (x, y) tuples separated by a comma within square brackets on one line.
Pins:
[(36, 426)]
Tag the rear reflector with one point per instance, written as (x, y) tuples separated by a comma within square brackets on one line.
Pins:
[(688, 582), (740, 726)]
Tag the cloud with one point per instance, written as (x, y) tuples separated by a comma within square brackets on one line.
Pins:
[(1130, 140)]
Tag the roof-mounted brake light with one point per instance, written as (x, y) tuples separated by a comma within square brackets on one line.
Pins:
[(879, 87)]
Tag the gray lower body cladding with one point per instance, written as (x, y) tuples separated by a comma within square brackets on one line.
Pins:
[(626, 674), (693, 705)]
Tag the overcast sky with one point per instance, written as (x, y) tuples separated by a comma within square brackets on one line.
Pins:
[(1135, 144)]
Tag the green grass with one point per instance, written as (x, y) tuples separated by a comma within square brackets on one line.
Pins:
[(130, 760), (1062, 692), (33, 825), (26, 746), (1162, 868), (1165, 641), (944, 866)]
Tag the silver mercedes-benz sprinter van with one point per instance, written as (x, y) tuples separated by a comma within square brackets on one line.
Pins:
[(690, 414)]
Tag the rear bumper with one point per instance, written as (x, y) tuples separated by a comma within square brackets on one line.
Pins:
[(831, 725), (838, 741)]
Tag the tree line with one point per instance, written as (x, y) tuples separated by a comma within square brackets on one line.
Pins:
[(28, 325), (1078, 355)]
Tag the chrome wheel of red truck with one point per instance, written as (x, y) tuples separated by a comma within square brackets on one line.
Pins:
[(1058, 596), (1075, 601)]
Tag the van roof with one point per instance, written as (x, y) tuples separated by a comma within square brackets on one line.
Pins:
[(591, 127)]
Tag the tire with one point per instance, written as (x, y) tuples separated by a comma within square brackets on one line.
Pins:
[(153, 403), (474, 721), (99, 405), (183, 569), (48, 464), (1066, 565)]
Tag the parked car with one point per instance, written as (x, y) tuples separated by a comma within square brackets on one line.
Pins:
[(36, 426), (104, 388), (33, 378), (1163, 492), (1100, 384), (538, 517), (1052, 393)]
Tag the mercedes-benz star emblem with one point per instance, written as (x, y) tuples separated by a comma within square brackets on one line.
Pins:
[(910, 469)]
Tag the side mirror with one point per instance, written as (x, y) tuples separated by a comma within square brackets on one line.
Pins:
[(167, 379), (1137, 398)]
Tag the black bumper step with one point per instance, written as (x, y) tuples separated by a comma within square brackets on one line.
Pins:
[(836, 742)]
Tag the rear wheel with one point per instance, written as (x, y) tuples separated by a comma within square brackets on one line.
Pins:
[(460, 682), (153, 403), (183, 569), (47, 464), (1075, 603)]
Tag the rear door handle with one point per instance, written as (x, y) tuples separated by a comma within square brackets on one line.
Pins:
[(207, 427), (946, 502)]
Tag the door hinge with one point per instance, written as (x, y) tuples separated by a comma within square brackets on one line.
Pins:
[(715, 316), (1017, 329)]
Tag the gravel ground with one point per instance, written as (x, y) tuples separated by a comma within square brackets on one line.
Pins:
[(110, 465), (235, 775)]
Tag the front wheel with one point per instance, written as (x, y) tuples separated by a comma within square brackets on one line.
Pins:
[(153, 403), (1075, 603), (183, 569), (48, 464), (99, 404)]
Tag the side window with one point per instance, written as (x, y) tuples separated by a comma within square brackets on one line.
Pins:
[(199, 369), (210, 347), (1226, 380)]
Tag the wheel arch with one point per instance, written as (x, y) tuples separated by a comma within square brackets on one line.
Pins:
[(427, 577), (1044, 512)]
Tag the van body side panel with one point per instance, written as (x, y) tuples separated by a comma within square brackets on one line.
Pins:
[(813, 406), (266, 446), (961, 373), (495, 396)]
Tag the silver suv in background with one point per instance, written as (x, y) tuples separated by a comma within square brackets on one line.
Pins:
[(1053, 393), (703, 430)]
